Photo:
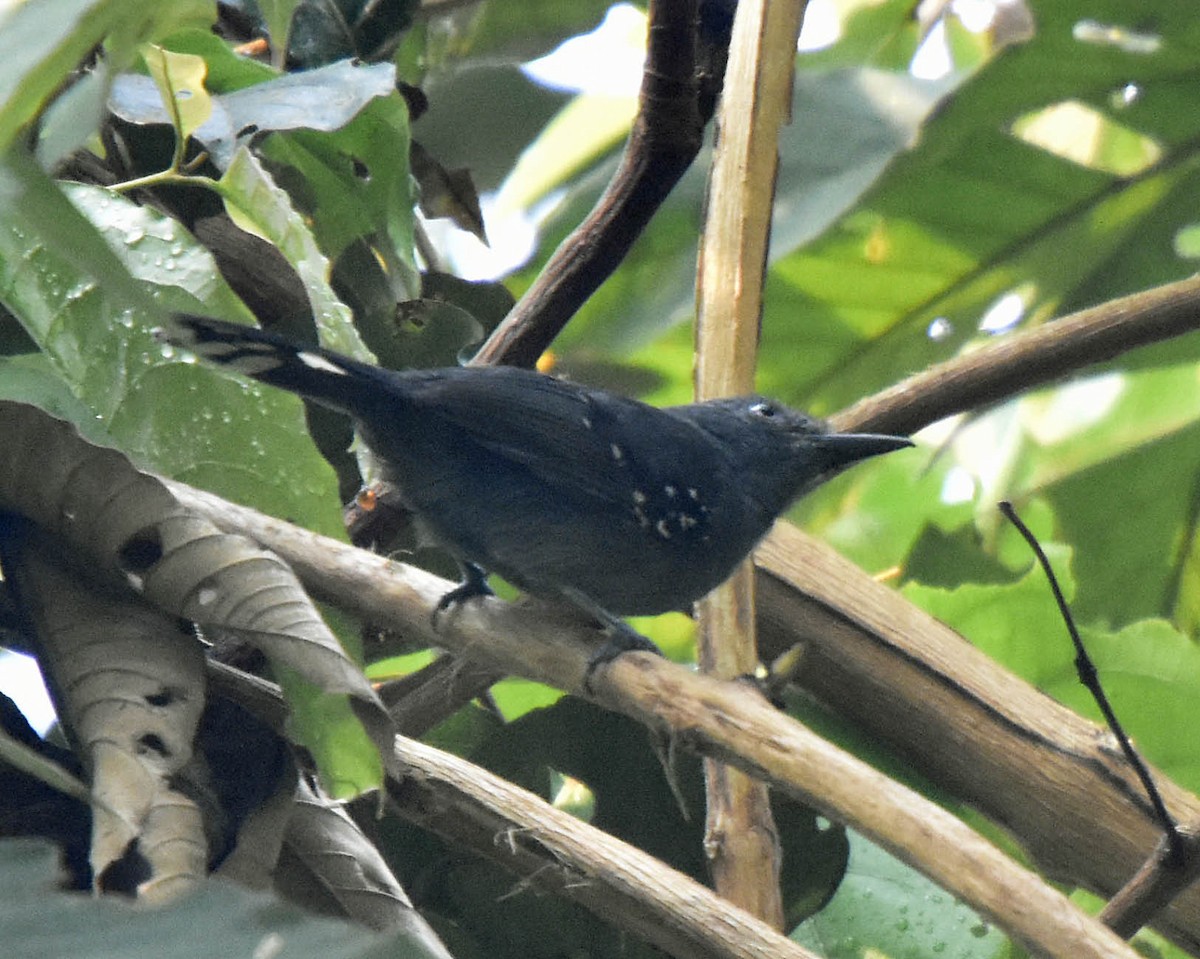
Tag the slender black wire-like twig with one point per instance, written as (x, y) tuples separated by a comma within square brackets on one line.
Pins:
[(1090, 678)]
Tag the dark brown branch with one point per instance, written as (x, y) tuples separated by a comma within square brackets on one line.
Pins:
[(556, 852), (419, 702), (665, 138)]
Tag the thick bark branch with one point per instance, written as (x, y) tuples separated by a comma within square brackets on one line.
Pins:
[(719, 719)]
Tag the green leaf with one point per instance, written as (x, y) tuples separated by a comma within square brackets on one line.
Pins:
[(258, 205), (854, 123), (1122, 487), (42, 42), (875, 512), (1017, 624), (29, 378), (227, 70), (326, 725), (1149, 670), (36, 921), (355, 185), (180, 81), (886, 908), (975, 214), (87, 277), (39, 219), (324, 99), (533, 29), (277, 15)]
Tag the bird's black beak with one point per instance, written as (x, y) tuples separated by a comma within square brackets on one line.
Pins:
[(842, 449)]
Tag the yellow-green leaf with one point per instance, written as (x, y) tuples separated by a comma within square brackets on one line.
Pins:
[(180, 81)]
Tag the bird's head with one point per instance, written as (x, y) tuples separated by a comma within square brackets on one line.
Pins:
[(783, 452)]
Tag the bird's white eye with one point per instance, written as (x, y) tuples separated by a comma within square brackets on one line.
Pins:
[(762, 409)]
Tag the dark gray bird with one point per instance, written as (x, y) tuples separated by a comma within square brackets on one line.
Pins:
[(578, 494)]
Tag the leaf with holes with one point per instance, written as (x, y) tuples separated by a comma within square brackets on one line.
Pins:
[(129, 531), (130, 689)]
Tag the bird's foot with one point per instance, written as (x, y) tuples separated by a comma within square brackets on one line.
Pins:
[(474, 583), (621, 638)]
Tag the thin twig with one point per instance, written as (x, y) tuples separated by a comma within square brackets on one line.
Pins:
[(1091, 679)]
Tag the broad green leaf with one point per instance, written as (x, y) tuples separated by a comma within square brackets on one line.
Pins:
[(1017, 623), (258, 205), (227, 70), (882, 34), (535, 28), (87, 277), (324, 99), (29, 378), (1115, 454), (875, 512), (1150, 673), (328, 728), (885, 908), (356, 187), (1149, 670), (849, 125), (975, 214), (347, 758), (38, 219), (1130, 519)]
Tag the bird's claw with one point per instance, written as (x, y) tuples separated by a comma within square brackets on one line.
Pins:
[(474, 583), (622, 638)]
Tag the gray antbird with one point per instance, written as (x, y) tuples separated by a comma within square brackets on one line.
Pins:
[(578, 494)]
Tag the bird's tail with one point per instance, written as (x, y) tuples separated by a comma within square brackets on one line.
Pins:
[(321, 375)]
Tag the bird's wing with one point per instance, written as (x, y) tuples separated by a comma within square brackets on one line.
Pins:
[(566, 434)]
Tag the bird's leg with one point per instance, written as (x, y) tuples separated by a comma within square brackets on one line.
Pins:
[(620, 636), (473, 583)]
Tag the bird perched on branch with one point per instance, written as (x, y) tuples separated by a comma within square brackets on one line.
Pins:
[(569, 493)]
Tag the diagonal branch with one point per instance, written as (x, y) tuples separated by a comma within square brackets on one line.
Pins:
[(1031, 358), (716, 718), (665, 138)]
